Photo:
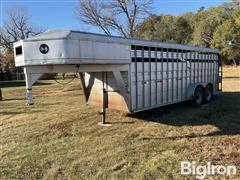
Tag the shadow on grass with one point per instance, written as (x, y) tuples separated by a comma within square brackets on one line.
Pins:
[(223, 112), (19, 112), (15, 99), (10, 113), (122, 122), (6, 84)]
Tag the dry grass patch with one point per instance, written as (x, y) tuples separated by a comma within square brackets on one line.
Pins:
[(231, 71), (58, 137)]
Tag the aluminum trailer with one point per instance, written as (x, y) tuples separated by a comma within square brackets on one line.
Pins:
[(121, 73)]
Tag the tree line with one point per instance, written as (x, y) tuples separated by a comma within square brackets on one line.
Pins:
[(16, 27), (216, 27)]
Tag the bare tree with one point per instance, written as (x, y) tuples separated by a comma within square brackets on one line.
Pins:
[(121, 16), (16, 27)]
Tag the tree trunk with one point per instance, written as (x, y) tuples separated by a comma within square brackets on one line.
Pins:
[(234, 62)]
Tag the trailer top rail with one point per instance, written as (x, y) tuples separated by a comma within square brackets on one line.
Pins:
[(73, 34)]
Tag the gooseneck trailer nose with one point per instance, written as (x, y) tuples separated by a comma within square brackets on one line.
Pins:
[(135, 74)]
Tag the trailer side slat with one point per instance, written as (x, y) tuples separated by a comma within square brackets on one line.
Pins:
[(182, 74), (177, 74), (172, 83), (162, 79), (156, 70), (186, 78), (200, 67), (202, 74), (205, 67), (136, 77), (190, 67), (143, 81), (167, 72), (208, 69), (150, 78), (214, 70), (194, 68)]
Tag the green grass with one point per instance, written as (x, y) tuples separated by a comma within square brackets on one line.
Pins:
[(59, 136)]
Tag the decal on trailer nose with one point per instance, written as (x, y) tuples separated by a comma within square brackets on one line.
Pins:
[(44, 48)]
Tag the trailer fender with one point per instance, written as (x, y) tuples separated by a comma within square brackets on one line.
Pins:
[(191, 89)]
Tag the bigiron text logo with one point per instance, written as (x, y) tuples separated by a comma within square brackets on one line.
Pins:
[(202, 171)]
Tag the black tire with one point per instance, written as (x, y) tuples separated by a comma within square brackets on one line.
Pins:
[(208, 94), (198, 96)]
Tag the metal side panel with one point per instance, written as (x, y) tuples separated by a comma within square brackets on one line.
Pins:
[(166, 81), (59, 52), (92, 51), (157, 88), (70, 51)]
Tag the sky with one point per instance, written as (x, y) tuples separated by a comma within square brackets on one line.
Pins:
[(59, 14)]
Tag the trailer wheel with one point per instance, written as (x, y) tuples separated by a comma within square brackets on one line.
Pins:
[(198, 96), (208, 94)]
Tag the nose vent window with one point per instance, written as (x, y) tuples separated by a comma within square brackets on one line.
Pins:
[(18, 50)]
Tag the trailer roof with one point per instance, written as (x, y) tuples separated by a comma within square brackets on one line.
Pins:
[(72, 34)]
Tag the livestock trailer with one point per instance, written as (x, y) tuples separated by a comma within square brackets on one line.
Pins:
[(121, 73)]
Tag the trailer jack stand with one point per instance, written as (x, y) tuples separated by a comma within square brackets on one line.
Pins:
[(103, 122), (103, 112)]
